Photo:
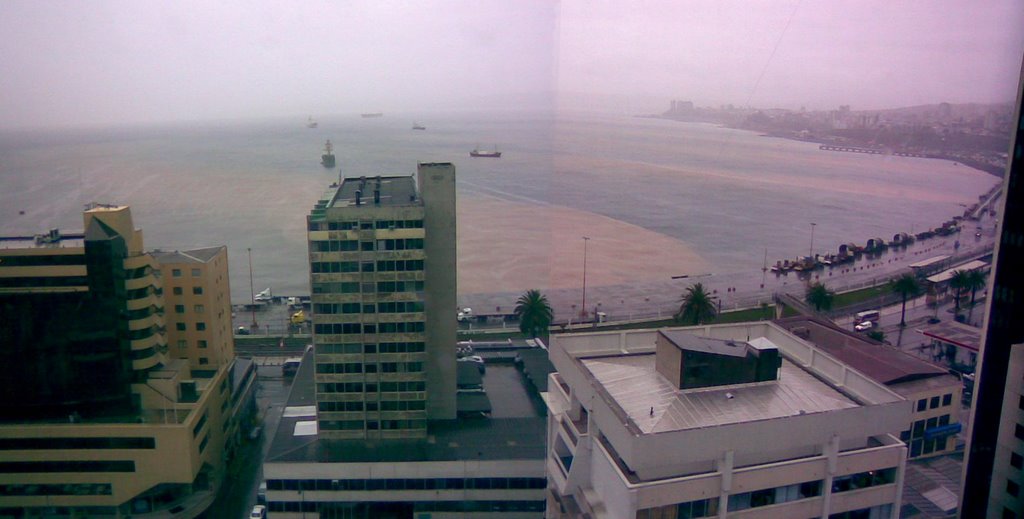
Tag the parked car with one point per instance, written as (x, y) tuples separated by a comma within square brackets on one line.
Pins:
[(258, 512), (864, 326), (465, 314)]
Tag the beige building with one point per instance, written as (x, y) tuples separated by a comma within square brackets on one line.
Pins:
[(383, 283), (99, 420), (935, 393), (198, 303), (742, 420)]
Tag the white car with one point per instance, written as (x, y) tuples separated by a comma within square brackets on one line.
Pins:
[(465, 314), (864, 326), (258, 512)]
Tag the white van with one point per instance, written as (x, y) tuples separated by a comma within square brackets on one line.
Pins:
[(867, 315)]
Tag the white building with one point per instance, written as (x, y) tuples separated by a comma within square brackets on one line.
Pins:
[(767, 426)]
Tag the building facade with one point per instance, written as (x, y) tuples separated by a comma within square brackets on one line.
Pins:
[(641, 427), (995, 446), (382, 277), (104, 423)]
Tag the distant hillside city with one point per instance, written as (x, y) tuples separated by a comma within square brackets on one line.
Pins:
[(976, 135)]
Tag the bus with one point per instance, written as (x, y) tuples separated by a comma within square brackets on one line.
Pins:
[(867, 316)]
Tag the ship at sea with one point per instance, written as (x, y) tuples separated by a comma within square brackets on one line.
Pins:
[(483, 153), (327, 159), (310, 123), (418, 126), (373, 114)]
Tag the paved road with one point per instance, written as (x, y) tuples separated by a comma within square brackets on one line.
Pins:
[(245, 472)]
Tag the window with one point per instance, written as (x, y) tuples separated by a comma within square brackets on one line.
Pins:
[(182, 344), (1012, 488), (1016, 460), (179, 309), (947, 399), (176, 273), (1018, 431), (200, 327), (203, 361), (202, 344), (195, 273), (922, 404), (935, 402), (177, 291), (199, 309), (197, 291), (179, 326)]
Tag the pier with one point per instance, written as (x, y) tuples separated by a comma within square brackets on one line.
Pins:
[(870, 151)]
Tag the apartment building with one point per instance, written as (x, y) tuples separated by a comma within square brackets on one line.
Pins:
[(98, 420), (383, 283), (742, 420)]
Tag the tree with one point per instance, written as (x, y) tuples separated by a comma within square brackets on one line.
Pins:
[(534, 313), (819, 296), (906, 286), (696, 306), (958, 283), (975, 281)]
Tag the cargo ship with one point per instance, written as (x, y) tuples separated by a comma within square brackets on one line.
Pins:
[(327, 159), (418, 126), (490, 154)]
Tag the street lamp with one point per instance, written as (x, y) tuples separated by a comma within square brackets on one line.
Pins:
[(252, 291), (583, 307), (811, 251)]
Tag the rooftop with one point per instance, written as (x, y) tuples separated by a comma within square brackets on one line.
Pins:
[(882, 363), (515, 429), (691, 342), (394, 191), (186, 256), (958, 334), (654, 405)]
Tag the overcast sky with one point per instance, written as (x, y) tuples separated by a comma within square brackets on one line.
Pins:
[(106, 62)]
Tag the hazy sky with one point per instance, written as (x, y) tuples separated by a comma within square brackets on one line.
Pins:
[(101, 62)]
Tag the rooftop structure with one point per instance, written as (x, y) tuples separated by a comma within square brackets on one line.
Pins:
[(935, 392), (466, 466), (798, 431)]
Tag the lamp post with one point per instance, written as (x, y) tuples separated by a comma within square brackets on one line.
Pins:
[(583, 306), (811, 251), (252, 291)]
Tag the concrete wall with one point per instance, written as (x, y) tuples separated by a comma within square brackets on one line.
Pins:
[(437, 187)]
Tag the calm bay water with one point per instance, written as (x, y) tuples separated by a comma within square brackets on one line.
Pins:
[(727, 194)]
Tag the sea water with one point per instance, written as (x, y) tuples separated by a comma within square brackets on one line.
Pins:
[(654, 197)]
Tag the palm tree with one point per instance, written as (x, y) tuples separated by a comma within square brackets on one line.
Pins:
[(820, 296), (958, 283), (696, 306), (534, 313), (906, 286), (975, 280)]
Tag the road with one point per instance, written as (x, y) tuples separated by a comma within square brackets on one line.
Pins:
[(245, 472)]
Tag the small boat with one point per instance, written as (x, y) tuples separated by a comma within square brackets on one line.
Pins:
[(372, 114), (490, 154), (310, 123), (418, 126), (327, 159)]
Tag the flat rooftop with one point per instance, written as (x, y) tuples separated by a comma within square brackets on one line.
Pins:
[(394, 191), (515, 430), (636, 388)]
